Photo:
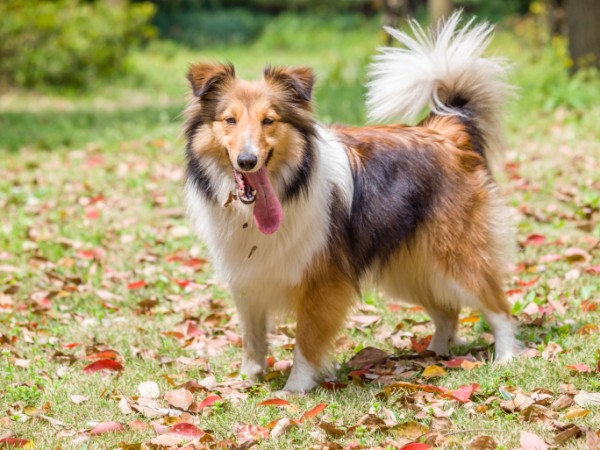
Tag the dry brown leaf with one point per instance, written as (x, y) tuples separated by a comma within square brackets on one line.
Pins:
[(551, 351), (587, 399), (149, 389), (179, 398), (482, 443), (572, 431), (366, 357)]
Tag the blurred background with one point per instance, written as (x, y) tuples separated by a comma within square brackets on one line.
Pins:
[(102, 71)]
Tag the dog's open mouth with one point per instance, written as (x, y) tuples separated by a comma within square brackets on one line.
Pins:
[(256, 187), (246, 193)]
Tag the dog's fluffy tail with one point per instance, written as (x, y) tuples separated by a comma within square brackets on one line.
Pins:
[(442, 67)]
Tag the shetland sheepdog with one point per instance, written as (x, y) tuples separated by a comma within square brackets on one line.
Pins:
[(298, 216)]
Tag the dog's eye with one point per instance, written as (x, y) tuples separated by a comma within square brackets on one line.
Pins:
[(267, 121), (230, 121)]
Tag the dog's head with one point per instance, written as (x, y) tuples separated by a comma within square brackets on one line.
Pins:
[(258, 128)]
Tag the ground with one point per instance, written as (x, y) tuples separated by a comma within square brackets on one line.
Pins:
[(114, 331)]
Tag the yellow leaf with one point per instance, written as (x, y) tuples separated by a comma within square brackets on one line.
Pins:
[(434, 371), (411, 430), (576, 413), (470, 365)]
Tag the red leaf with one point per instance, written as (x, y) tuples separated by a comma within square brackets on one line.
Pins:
[(270, 361), (589, 306), (193, 330), (415, 446), (420, 345), (579, 367), (209, 401), (71, 345), (528, 283), (11, 442), (313, 412), (187, 429), (463, 393), (136, 285), (182, 283), (107, 354), (514, 291), (86, 254), (456, 362), (594, 269), (106, 427), (92, 213), (534, 239), (103, 364), (275, 402)]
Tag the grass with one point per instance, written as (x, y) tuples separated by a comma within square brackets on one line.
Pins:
[(90, 194)]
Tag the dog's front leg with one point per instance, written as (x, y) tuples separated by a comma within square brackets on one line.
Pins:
[(321, 314), (253, 320)]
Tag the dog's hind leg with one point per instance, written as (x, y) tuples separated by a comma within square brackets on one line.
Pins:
[(253, 318), (446, 326), (322, 312)]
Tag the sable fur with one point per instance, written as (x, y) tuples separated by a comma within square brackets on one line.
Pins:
[(413, 211)]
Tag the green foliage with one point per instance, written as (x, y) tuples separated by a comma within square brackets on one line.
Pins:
[(200, 28), (30, 395), (494, 9), (67, 42)]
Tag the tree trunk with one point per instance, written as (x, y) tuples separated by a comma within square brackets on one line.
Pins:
[(439, 9), (583, 20)]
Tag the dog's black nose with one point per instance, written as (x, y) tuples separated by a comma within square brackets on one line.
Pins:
[(247, 161)]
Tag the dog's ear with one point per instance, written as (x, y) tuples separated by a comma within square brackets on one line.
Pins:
[(205, 78), (299, 80)]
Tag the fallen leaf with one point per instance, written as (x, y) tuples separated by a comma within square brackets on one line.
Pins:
[(179, 398), (579, 367), (281, 427), (551, 351), (587, 399), (534, 239), (482, 443), (275, 402), (106, 427), (251, 433), (313, 412), (368, 356), (103, 364), (187, 429), (576, 413), (208, 401), (138, 425), (463, 393), (412, 429), (415, 446), (12, 442), (136, 285), (78, 399), (531, 441), (434, 371), (148, 389)]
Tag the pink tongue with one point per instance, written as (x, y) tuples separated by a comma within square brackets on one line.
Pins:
[(267, 209)]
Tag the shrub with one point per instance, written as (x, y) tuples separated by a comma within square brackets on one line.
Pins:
[(199, 28), (68, 42)]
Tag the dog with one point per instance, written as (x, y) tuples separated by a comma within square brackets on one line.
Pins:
[(298, 216)]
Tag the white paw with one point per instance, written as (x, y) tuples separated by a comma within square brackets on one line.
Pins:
[(251, 371)]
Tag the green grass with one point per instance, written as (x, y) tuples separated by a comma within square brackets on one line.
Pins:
[(91, 201)]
